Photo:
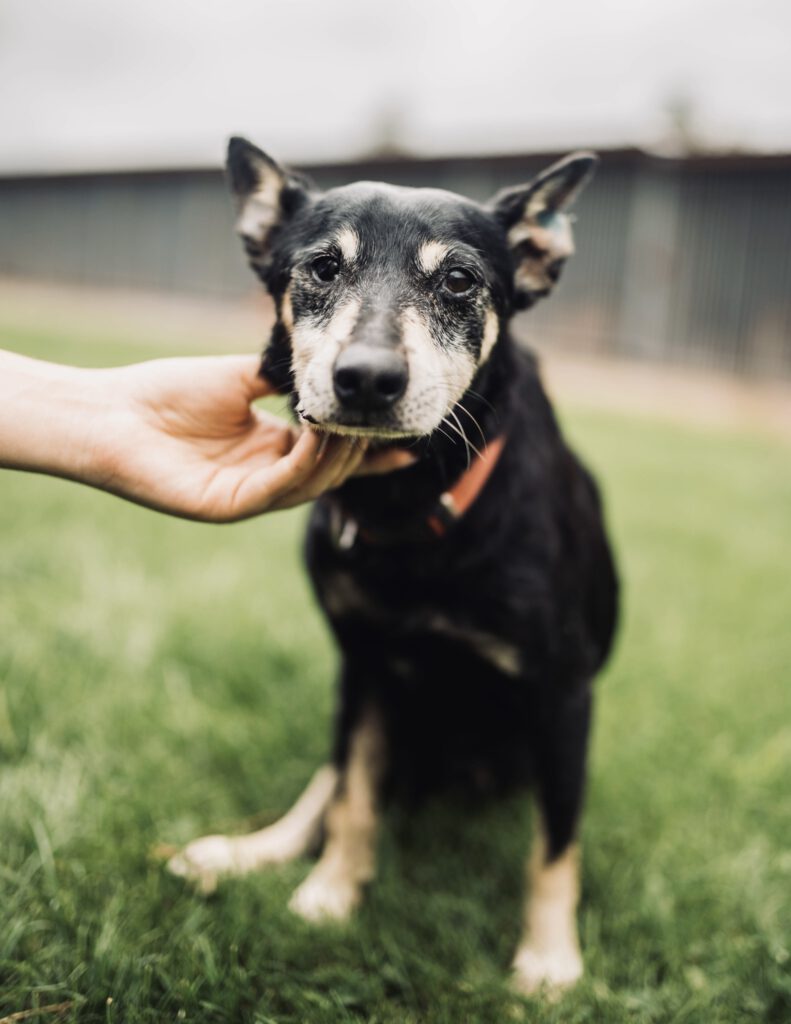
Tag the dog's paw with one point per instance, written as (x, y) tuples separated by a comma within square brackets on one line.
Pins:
[(550, 972), (325, 896), (205, 860)]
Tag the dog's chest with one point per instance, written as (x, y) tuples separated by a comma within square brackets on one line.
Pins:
[(418, 625)]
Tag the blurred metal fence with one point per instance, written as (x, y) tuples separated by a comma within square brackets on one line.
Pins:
[(678, 260)]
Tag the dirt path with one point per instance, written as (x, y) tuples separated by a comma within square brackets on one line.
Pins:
[(681, 393)]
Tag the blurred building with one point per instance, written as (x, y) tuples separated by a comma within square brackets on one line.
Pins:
[(684, 260)]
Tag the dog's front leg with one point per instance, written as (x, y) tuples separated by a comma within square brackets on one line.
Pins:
[(548, 955), (335, 886), (204, 861)]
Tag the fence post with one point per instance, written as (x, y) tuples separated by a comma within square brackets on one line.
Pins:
[(644, 319)]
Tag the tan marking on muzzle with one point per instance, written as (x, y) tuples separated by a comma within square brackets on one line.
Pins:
[(315, 348), (287, 311), (491, 330), (437, 377)]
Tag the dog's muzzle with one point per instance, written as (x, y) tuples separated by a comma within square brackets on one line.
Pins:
[(369, 378)]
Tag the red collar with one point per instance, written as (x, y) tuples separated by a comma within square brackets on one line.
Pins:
[(450, 507), (458, 499)]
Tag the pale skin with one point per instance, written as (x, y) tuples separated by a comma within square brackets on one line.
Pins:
[(177, 435)]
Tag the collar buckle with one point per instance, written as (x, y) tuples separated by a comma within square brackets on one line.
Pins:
[(344, 529), (347, 535)]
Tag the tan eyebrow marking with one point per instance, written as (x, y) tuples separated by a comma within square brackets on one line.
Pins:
[(349, 243), (431, 254)]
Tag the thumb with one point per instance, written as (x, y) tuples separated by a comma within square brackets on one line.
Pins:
[(256, 385)]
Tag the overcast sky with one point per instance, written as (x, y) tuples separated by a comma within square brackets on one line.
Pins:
[(99, 83)]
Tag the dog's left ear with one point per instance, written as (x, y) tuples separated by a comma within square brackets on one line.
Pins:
[(267, 196), (538, 227)]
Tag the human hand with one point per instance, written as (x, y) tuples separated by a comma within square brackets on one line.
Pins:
[(185, 439), (178, 435)]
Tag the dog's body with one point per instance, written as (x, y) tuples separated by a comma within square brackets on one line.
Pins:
[(469, 642)]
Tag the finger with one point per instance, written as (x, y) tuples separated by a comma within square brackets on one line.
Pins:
[(248, 369), (358, 458), (328, 474), (347, 468), (307, 453), (292, 470), (339, 453), (304, 472), (258, 386), (385, 461), (325, 440)]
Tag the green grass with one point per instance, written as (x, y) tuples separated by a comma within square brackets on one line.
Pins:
[(161, 679)]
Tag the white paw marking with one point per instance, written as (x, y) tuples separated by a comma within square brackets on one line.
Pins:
[(325, 897), (550, 970), (204, 860)]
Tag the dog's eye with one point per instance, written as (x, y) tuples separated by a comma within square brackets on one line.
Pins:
[(325, 268), (459, 281)]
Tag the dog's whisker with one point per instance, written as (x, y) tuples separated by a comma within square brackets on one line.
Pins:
[(467, 441), (480, 398), (463, 436), (457, 427), (458, 405), (445, 433)]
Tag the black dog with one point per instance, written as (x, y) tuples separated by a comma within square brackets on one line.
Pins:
[(473, 594)]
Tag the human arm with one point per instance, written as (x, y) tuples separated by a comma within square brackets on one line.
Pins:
[(178, 435)]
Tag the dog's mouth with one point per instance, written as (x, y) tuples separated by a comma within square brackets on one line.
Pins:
[(380, 404), (348, 426)]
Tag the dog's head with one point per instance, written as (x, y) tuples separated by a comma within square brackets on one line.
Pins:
[(390, 300)]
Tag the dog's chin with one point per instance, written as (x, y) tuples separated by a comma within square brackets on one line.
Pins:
[(371, 432), (358, 427)]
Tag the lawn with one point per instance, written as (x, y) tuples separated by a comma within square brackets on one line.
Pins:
[(160, 679)]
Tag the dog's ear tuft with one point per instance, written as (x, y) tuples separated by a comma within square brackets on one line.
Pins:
[(266, 196), (538, 227)]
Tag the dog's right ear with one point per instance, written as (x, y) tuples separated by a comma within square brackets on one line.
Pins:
[(267, 196)]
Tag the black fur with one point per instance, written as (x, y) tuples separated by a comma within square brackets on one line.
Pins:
[(529, 564), (528, 567)]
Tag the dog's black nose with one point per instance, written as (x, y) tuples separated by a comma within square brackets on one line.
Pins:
[(369, 378)]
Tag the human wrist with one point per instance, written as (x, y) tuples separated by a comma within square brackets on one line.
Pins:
[(53, 419)]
